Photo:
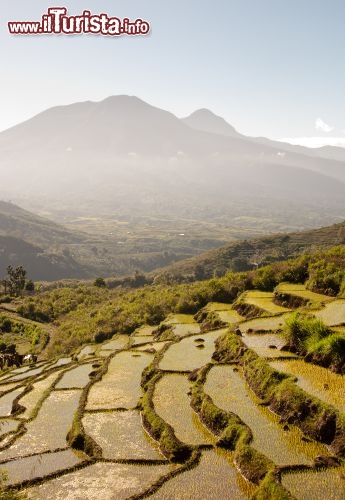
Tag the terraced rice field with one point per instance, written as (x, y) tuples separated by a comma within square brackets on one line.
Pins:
[(328, 484), (55, 397), (266, 345), (301, 291), (76, 377), (265, 324), (172, 403), (28, 468), (120, 386), (121, 435), (264, 301), (229, 391), (333, 313), (49, 429), (113, 480), (214, 477), (225, 312), (186, 355), (318, 381)]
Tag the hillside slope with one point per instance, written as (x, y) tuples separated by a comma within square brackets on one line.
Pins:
[(245, 255), (39, 263), (22, 224)]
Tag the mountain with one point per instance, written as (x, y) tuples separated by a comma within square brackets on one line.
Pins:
[(125, 157), (247, 254), (205, 120)]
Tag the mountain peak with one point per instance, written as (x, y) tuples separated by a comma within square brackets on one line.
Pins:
[(207, 121)]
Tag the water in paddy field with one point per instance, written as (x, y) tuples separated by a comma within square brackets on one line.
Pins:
[(172, 404), (213, 478), (49, 429), (106, 481), (27, 468), (316, 485), (33, 397), (76, 377), (6, 401), (120, 386), (121, 435), (230, 392), (316, 380), (186, 356)]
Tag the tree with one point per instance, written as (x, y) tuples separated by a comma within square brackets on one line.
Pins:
[(100, 283), (16, 280), (30, 286)]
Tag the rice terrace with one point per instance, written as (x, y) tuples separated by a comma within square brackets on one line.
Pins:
[(170, 391)]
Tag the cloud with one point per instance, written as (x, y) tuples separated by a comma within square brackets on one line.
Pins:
[(321, 125), (315, 142)]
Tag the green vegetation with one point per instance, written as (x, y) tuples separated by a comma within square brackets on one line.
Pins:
[(271, 489), (227, 426), (19, 332), (302, 332), (310, 337), (162, 432), (317, 420), (8, 494)]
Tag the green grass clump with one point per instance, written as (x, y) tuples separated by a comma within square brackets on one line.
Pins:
[(262, 378), (271, 489), (228, 348), (302, 332), (329, 352), (253, 464)]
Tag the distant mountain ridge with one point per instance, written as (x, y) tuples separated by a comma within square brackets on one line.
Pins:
[(206, 121), (123, 156)]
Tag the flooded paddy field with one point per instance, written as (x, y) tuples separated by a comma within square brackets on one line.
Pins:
[(6, 401), (267, 345), (214, 478), (157, 346), (333, 313), (183, 324), (128, 461), (121, 435), (316, 485), (120, 386), (172, 403), (186, 355), (316, 380), (49, 429), (76, 377), (27, 468), (8, 425), (265, 324), (229, 391), (108, 481), (301, 291), (263, 300), (31, 399)]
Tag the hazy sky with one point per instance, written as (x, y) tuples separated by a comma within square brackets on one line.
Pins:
[(270, 67)]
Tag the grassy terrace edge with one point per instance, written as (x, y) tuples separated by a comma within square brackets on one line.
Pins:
[(171, 447), (317, 420), (232, 433)]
